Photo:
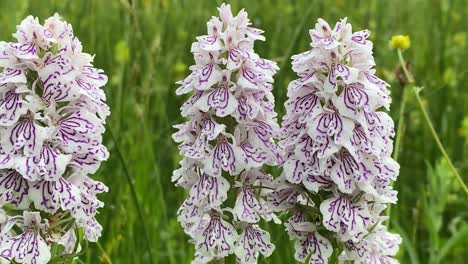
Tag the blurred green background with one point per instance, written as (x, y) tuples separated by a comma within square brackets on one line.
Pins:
[(144, 47)]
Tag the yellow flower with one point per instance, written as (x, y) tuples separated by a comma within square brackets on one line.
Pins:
[(400, 42)]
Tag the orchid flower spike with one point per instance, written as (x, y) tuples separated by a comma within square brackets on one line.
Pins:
[(337, 139), (52, 116), (228, 137)]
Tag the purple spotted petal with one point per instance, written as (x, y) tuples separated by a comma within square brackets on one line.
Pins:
[(193, 150), (315, 153), (340, 74), (355, 98), (261, 134), (187, 84), (207, 76), (93, 187), (14, 189), (188, 214), (340, 214), (90, 160), (188, 108), (51, 196), (50, 164), (347, 171), (251, 105), (388, 168), (213, 189), (331, 125), (294, 171), (283, 198), (236, 58), (360, 37), (28, 247), (215, 237), (87, 206), (291, 131), (310, 175), (375, 80), (12, 107), (249, 78), (94, 76), (57, 78), (252, 242), (267, 66), (26, 135), (307, 79), (224, 156), (322, 35), (248, 207), (6, 56), (377, 124), (291, 224), (89, 89), (219, 99), (55, 89), (255, 33), (360, 141), (209, 43), (253, 157), (11, 75), (377, 247), (257, 177), (211, 129), (78, 131), (5, 159), (244, 109), (25, 51), (305, 104), (100, 108), (92, 228), (379, 128), (313, 246)]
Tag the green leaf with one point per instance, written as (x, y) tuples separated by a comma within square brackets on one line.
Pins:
[(456, 239), (406, 243)]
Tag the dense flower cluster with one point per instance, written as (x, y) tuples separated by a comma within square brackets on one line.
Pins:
[(228, 138), (338, 170), (52, 115)]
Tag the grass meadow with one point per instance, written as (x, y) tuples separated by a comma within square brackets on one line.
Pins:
[(144, 48)]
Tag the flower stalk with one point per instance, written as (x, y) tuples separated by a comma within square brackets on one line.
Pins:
[(439, 144), (401, 125), (427, 120), (401, 118)]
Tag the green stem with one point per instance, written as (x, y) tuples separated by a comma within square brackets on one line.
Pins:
[(417, 90), (437, 140), (408, 76), (401, 118), (401, 125), (105, 256)]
